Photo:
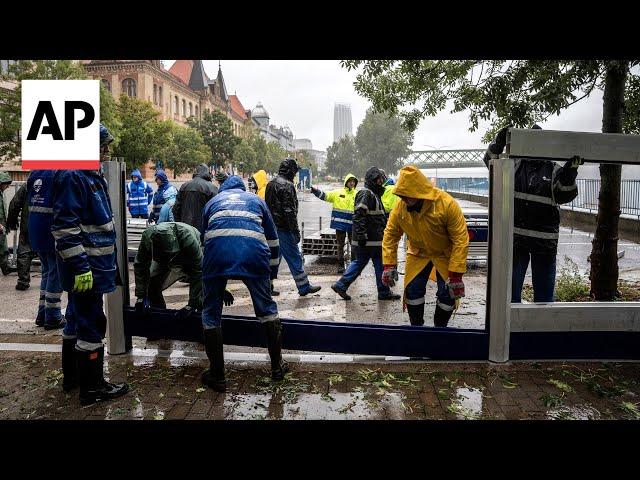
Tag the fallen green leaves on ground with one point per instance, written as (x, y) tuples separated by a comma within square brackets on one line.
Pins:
[(630, 409), (565, 387)]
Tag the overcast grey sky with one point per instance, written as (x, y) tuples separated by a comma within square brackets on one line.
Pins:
[(301, 94)]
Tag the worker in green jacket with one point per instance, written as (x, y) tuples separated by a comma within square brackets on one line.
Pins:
[(168, 252)]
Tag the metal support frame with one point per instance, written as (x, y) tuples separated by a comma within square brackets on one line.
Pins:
[(501, 249), (115, 302), (590, 330)]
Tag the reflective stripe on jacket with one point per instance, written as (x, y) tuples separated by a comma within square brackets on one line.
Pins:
[(240, 238), (83, 228), (343, 201)]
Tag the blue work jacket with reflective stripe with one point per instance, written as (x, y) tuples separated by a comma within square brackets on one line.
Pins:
[(140, 195), (240, 238), (83, 228), (40, 196), (165, 192)]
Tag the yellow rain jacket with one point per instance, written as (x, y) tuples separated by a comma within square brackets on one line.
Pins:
[(437, 233), (343, 201), (389, 199), (261, 181)]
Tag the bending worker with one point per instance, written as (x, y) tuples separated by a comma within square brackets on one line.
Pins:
[(169, 252), (540, 186), (240, 242), (343, 201), (437, 237)]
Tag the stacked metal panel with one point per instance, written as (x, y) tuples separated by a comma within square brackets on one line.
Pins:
[(322, 243)]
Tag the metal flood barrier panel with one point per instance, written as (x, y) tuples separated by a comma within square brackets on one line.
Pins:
[(598, 330)]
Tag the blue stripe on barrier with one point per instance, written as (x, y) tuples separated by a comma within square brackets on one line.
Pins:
[(365, 339), (575, 345)]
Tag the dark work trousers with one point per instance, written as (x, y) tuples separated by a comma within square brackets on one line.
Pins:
[(25, 257), (543, 274), (340, 237)]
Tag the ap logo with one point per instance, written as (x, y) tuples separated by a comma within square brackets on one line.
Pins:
[(60, 124)]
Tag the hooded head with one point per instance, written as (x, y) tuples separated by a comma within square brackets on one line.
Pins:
[(288, 168), (373, 178), (221, 177), (164, 243), (136, 176), (5, 181), (231, 183), (202, 171), (413, 185), (260, 178), (162, 176), (350, 176)]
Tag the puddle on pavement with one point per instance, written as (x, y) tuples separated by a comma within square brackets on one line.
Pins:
[(575, 412), (315, 406), (468, 403)]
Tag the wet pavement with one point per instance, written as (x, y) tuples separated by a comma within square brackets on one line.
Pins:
[(163, 388)]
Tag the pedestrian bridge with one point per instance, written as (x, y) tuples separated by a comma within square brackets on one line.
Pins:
[(446, 158)]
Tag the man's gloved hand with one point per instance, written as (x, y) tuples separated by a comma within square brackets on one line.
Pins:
[(227, 298), (455, 285), (184, 312), (83, 282), (574, 162), (389, 275), (142, 306)]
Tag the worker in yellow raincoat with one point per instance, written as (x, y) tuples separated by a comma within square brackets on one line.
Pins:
[(258, 183), (389, 199), (437, 237)]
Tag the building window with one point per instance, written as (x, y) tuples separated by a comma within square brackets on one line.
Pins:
[(155, 94), (184, 108), (190, 109), (160, 96), (129, 87), (106, 84), (196, 110), (176, 110)]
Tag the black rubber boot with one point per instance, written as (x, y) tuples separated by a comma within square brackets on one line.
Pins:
[(274, 293), (416, 314), (274, 343), (441, 317), (69, 364), (22, 286), (339, 291), (312, 289), (54, 326), (93, 387), (214, 377), (389, 296)]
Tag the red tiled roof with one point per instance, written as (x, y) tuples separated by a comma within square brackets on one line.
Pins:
[(237, 107), (182, 70)]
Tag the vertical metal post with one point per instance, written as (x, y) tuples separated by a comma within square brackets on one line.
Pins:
[(117, 343), (320, 223), (501, 240)]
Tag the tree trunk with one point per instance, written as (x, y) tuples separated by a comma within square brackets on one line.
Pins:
[(604, 251)]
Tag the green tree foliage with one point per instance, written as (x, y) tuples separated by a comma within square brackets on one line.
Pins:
[(185, 151), (244, 157), (109, 114), (142, 136), (305, 160), (341, 158), (381, 140), (10, 109), (217, 131), (516, 93), (631, 120)]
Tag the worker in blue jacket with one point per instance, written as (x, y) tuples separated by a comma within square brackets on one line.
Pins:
[(85, 241), (40, 198), (240, 242), (139, 196), (166, 192)]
